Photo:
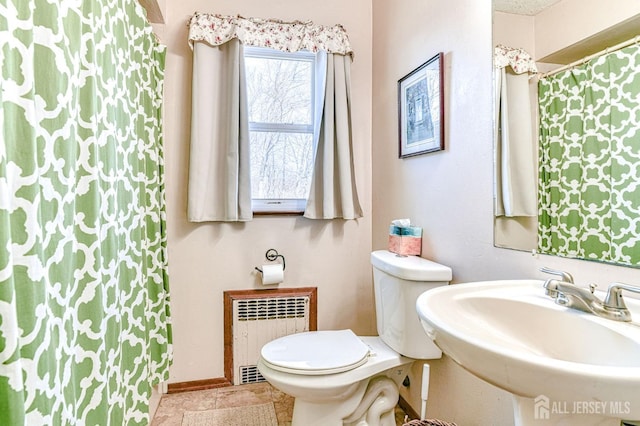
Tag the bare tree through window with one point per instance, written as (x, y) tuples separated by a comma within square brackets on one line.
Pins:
[(280, 95)]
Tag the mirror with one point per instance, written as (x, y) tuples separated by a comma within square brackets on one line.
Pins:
[(555, 33)]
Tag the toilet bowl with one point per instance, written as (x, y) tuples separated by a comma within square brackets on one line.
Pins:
[(330, 398), (338, 378)]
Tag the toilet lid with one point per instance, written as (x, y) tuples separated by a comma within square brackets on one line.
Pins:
[(316, 352)]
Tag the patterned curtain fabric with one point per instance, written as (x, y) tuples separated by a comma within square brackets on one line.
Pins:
[(589, 189), (84, 313), (518, 59), (286, 36)]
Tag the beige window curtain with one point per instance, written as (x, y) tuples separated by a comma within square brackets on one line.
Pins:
[(219, 176), (333, 191), (515, 148)]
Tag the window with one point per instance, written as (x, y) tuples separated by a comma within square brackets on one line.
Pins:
[(280, 93)]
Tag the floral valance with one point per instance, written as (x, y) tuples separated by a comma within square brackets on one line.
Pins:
[(519, 60), (286, 36)]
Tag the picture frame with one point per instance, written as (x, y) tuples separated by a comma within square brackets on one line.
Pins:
[(421, 109)]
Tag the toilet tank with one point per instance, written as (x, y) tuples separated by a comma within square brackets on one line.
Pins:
[(398, 281)]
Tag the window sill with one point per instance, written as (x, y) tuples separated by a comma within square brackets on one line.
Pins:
[(283, 213), (286, 207)]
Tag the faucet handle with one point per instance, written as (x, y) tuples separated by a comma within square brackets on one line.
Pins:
[(566, 277), (614, 295)]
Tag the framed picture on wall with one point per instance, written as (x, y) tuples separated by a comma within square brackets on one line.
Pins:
[(421, 109)]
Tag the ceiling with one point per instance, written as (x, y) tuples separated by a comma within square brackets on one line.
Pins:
[(522, 7)]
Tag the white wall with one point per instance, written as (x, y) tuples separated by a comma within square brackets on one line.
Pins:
[(206, 259), (449, 193)]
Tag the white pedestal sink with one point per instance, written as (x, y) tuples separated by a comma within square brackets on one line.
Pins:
[(563, 367)]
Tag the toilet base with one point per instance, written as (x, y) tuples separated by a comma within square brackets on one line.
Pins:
[(363, 396), (372, 404)]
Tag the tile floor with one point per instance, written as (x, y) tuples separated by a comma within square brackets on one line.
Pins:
[(172, 406)]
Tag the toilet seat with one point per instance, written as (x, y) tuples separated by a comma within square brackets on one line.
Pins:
[(316, 352)]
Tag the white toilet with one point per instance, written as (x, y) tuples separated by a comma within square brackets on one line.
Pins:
[(338, 378)]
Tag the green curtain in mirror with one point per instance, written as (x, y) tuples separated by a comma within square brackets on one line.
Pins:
[(589, 180), (84, 318)]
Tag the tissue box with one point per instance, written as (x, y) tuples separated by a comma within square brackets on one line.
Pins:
[(405, 240)]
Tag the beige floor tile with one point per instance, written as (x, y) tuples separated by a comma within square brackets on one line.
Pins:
[(173, 406), (283, 404), (238, 396)]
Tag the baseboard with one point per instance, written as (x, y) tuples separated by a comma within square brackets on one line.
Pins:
[(408, 409), (195, 385)]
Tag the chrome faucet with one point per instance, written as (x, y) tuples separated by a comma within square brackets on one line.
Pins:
[(615, 302), (566, 293)]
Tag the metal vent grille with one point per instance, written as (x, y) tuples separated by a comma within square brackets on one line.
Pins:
[(259, 320), (272, 308), (250, 374)]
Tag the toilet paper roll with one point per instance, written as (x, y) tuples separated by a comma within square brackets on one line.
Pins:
[(272, 274)]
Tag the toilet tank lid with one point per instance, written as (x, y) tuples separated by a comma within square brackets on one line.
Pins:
[(411, 268)]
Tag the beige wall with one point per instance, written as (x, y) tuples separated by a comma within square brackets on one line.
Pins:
[(449, 193), (206, 259)]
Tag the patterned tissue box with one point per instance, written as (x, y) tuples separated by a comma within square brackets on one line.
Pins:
[(405, 240)]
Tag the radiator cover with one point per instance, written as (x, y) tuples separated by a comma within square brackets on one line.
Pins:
[(259, 320)]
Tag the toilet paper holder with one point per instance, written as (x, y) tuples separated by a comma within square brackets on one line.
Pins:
[(272, 255)]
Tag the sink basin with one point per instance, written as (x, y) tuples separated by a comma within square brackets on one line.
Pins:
[(510, 334)]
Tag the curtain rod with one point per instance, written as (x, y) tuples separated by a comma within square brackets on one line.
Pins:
[(618, 46)]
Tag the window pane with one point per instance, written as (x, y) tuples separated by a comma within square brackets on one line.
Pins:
[(279, 90), (281, 164)]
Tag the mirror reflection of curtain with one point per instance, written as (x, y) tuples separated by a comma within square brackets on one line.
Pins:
[(589, 187), (515, 150), (219, 175)]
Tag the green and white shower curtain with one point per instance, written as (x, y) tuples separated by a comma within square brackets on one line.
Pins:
[(589, 188), (84, 309)]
